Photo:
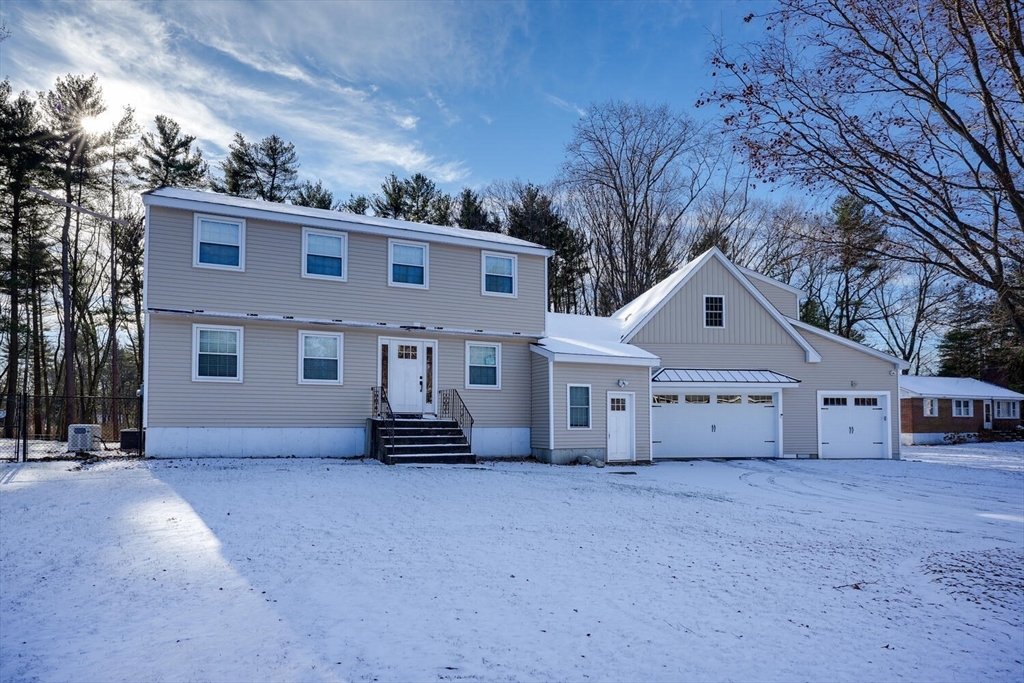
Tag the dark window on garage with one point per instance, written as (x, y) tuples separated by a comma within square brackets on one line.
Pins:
[(833, 401), (730, 398), (666, 398), (865, 401), (698, 398), (763, 399)]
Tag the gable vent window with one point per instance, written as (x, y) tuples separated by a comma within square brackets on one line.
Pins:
[(714, 311)]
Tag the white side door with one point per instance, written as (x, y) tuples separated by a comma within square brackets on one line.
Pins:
[(405, 376), (987, 407), (621, 421)]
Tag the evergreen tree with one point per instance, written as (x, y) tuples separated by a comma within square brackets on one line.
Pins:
[(266, 170), (415, 199), (811, 313), (167, 158), (355, 204), (533, 217), (473, 215), (711, 237), (391, 202), (314, 195), (962, 349)]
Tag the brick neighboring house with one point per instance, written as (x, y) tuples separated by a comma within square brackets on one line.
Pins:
[(932, 407)]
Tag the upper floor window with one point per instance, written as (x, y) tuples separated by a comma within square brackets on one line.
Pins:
[(408, 264), (1007, 410), (931, 407), (320, 357), (219, 243), (216, 353), (324, 254), (963, 407), (714, 311), (483, 365), (499, 274)]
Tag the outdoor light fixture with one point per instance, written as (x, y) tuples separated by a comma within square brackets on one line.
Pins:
[(623, 383)]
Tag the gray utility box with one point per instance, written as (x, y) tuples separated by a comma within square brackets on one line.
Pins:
[(82, 437)]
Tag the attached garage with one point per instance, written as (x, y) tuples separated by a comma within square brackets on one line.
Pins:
[(853, 425), (717, 413)]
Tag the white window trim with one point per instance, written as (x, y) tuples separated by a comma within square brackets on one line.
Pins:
[(1006, 410), (704, 312), (926, 403), (196, 327), (970, 407), (568, 407), (240, 222), (497, 358), (426, 264), (340, 336), (515, 274), (343, 236)]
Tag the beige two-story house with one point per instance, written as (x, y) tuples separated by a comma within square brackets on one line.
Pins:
[(281, 330)]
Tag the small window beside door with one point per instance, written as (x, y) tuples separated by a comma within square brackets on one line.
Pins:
[(320, 358)]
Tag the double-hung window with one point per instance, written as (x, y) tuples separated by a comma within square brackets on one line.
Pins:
[(931, 407), (714, 311), (1007, 410), (324, 254), (963, 407), (216, 353), (320, 357), (499, 274), (218, 242), (483, 365), (579, 406), (408, 264)]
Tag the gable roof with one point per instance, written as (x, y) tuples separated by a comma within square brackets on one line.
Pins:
[(214, 202), (589, 339), (953, 387), (796, 291), (881, 355), (638, 312)]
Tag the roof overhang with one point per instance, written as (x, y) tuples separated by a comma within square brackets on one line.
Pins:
[(881, 355), (207, 202), (594, 359), (677, 378)]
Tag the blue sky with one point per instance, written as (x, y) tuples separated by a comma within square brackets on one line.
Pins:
[(466, 93)]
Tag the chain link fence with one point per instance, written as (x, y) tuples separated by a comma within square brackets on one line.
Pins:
[(38, 428)]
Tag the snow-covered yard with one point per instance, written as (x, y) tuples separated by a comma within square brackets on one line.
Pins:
[(280, 570)]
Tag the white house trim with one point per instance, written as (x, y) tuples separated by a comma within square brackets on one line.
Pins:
[(900, 364), (593, 359)]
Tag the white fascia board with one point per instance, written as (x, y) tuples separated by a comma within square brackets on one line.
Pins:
[(340, 323), (772, 281), (881, 355), (594, 360), (341, 223), (811, 355), (725, 386)]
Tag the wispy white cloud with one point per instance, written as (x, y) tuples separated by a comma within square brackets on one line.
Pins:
[(565, 106), (450, 117)]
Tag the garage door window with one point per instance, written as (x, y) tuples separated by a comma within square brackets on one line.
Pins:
[(698, 398), (866, 402), (730, 398), (833, 401), (665, 398), (762, 399)]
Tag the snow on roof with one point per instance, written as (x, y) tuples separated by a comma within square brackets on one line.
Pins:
[(953, 387), (590, 336), (723, 376), (640, 307), (169, 196)]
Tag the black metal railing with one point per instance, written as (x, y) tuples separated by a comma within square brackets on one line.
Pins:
[(382, 411), (453, 408)]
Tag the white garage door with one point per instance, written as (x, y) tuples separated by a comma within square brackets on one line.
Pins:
[(853, 426), (714, 424)]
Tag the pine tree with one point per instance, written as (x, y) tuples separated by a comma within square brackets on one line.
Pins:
[(810, 313), (314, 195), (167, 158), (711, 237), (391, 202), (962, 349), (472, 214), (415, 199), (266, 170), (355, 204)]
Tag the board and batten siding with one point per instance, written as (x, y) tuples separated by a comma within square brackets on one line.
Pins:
[(840, 366), (784, 300), (540, 426), (602, 379), (681, 319), (271, 396), (272, 283)]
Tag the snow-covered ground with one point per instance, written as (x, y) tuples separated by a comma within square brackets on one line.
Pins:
[(1002, 456), (231, 570)]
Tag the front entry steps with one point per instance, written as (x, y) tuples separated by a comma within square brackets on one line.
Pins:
[(420, 441)]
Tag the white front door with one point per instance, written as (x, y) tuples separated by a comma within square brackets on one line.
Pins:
[(620, 426), (853, 426), (405, 376), (988, 414)]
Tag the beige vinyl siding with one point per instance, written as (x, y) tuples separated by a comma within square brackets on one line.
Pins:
[(681, 319), (787, 302), (839, 366), (272, 283), (602, 379), (270, 395), (539, 421)]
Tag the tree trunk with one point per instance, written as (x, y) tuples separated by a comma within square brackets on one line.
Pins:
[(13, 344), (70, 399)]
